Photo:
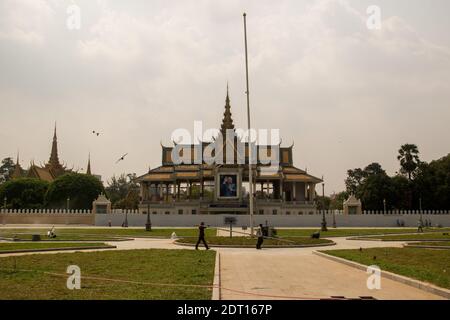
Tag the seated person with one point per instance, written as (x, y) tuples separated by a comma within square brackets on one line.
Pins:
[(51, 233)]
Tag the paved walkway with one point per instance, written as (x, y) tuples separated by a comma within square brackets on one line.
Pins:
[(299, 274), (289, 273)]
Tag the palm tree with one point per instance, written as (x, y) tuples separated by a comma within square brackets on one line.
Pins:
[(408, 155)]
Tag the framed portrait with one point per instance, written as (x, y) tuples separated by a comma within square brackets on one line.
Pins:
[(228, 187)]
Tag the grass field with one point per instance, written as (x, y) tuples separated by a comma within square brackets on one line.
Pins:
[(416, 237), (349, 232), (428, 265), (432, 243), (99, 234), (153, 266), (45, 245), (247, 241)]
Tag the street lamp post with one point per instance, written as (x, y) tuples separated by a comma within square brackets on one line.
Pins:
[(125, 223), (68, 204), (384, 206), (250, 167), (324, 221), (4, 202), (334, 219), (420, 211), (148, 225)]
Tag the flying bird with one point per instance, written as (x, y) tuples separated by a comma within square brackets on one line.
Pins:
[(122, 158)]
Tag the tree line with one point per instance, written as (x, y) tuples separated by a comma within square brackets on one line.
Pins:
[(69, 191), (417, 185)]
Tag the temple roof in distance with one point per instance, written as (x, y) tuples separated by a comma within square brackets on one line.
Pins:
[(196, 172), (169, 171)]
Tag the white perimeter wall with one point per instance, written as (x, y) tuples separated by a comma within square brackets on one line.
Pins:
[(159, 220)]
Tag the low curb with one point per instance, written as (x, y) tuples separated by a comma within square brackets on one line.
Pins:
[(426, 247), (392, 276), (217, 294), (398, 240), (254, 246), (67, 240), (56, 249)]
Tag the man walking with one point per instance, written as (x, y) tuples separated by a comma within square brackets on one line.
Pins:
[(201, 236), (260, 235)]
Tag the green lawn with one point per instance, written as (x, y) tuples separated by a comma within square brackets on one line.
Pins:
[(428, 265), (153, 266), (432, 243), (348, 232), (247, 241), (99, 234), (416, 237), (43, 245)]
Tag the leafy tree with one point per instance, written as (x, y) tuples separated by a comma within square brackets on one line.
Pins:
[(323, 203), (373, 169), (357, 177), (402, 193), (6, 169), (82, 190), (432, 184), (354, 180), (337, 201), (121, 188), (24, 193), (376, 188), (408, 155), (131, 201)]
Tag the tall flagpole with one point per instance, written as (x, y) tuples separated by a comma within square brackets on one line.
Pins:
[(250, 168)]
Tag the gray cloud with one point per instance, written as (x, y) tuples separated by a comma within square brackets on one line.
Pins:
[(136, 71)]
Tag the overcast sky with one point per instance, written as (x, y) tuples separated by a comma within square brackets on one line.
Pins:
[(137, 70)]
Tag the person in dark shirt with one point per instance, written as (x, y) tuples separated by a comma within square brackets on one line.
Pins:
[(260, 235), (201, 236)]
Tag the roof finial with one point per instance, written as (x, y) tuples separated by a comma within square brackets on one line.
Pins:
[(227, 122), (88, 170), (18, 172)]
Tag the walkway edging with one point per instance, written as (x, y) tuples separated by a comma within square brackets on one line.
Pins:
[(56, 249), (392, 276), (253, 247), (216, 294)]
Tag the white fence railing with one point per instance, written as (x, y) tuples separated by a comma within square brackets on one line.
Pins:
[(387, 212), (134, 211), (47, 211)]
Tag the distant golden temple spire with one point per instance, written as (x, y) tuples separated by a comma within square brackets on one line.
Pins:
[(88, 170), (227, 122), (18, 172), (53, 165)]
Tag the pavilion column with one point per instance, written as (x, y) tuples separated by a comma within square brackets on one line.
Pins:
[(160, 190), (294, 191), (146, 190), (142, 190), (281, 189), (189, 189), (178, 191), (306, 191), (310, 198), (202, 187), (167, 192)]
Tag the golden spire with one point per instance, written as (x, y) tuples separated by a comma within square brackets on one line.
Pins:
[(53, 165), (88, 171), (227, 121), (54, 160), (18, 172)]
